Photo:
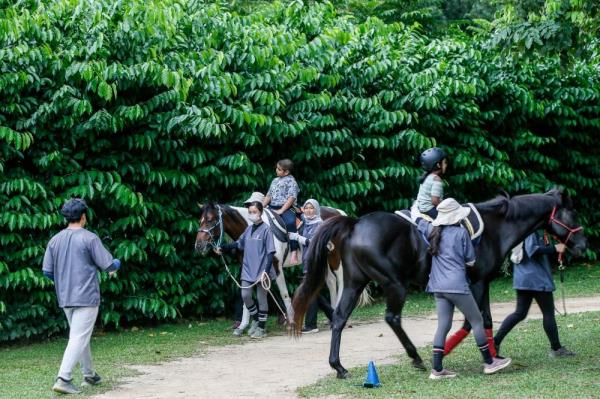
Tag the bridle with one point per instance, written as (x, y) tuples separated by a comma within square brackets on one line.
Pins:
[(571, 230), (209, 230)]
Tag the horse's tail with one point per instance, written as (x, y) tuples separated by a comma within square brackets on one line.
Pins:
[(333, 232)]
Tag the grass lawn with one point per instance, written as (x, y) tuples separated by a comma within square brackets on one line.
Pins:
[(28, 371), (580, 280), (532, 375)]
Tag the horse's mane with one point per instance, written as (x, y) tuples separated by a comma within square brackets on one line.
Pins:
[(519, 206), (232, 213)]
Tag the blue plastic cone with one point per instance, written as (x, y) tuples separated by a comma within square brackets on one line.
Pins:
[(372, 380)]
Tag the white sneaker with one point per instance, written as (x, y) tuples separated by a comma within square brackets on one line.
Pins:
[(259, 333), (438, 375), (496, 365), (66, 387)]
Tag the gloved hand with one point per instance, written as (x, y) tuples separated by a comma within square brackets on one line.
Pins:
[(293, 236)]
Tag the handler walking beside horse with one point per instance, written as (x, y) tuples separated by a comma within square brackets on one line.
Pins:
[(452, 250), (259, 248), (532, 278)]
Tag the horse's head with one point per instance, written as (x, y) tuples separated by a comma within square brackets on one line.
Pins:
[(211, 227), (564, 226)]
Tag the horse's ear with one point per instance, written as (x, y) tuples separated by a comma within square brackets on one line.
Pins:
[(504, 193), (566, 200)]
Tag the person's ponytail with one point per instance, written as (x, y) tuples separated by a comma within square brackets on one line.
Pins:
[(434, 240)]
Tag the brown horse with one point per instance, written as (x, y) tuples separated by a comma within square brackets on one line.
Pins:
[(218, 218)]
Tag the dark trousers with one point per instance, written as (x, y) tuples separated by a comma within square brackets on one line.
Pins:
[(322, 302), (289, 218), (432, 213), (545, 301)]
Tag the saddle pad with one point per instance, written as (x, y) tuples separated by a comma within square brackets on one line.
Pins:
[(473, 223)]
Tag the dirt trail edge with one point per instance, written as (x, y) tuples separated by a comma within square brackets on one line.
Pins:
[(276, 366)]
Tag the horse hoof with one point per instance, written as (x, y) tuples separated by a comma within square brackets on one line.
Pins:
[(418, 364), (342, 375)]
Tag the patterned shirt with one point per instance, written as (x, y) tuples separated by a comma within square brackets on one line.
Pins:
[(429, 188), (283, 188)]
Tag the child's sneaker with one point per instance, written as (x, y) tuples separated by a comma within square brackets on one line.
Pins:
[(438, 375), (496, 365), (93, 380), (64, 386), (310, 330), (259, 333), (562, 352)]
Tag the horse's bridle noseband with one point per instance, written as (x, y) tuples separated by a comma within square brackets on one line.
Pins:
[(571, 230), (209, 230)]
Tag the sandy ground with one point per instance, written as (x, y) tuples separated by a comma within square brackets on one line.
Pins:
[(276, 366)]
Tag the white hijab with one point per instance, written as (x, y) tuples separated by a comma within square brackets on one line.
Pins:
[(317, 218)]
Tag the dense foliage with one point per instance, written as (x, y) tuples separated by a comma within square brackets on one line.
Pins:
[(147, 107)]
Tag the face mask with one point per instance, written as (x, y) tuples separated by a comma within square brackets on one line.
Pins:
[(254, 217)]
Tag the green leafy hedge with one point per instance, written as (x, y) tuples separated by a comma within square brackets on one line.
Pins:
[(147, 107)]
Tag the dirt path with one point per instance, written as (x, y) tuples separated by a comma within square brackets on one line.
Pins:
[(230, 372)]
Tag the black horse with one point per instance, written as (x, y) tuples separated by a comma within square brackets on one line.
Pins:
[(386, 248)]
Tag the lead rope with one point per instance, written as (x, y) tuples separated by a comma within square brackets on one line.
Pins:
[(561, 269), (264, 279)]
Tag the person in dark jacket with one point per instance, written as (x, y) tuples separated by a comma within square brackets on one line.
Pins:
[(312, 221), (532, 279)]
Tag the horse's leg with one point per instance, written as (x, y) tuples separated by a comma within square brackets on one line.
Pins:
[(486, 312), (283, 291), (245, 318), (340, 317), (396, 297)]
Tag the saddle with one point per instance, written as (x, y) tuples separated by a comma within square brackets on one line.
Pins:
[(473, 223)]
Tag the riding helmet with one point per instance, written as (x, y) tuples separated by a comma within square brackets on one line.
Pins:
[(430, 158)]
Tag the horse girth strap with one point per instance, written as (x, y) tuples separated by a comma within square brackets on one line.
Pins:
[(274, 224)]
